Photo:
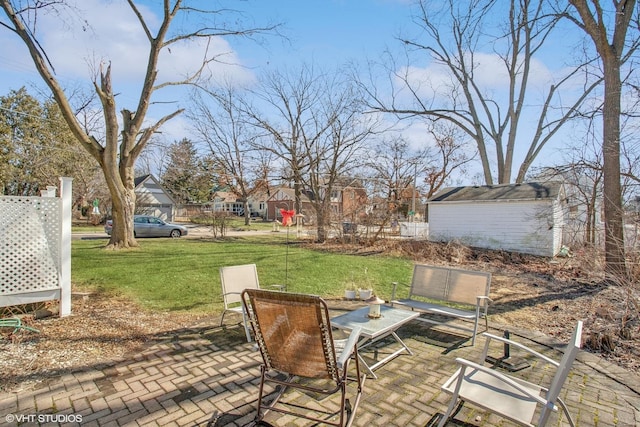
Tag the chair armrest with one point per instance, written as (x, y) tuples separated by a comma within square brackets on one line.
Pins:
[(349, 347), (500, 376), (521, 347)]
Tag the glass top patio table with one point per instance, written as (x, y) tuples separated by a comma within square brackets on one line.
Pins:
[(376, 329)]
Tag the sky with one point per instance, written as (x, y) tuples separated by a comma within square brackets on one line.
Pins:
[(330, 33), (326, 32)]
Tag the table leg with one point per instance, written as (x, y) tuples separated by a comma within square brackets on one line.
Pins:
[(365, 343)]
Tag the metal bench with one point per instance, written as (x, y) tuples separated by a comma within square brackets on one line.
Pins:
[(448, 292)]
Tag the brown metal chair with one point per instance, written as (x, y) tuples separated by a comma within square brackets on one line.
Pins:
[(293, 333)]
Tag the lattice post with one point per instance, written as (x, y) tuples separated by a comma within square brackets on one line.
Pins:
[(65, 246)]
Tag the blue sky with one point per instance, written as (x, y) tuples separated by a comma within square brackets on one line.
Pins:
[(328, 33), (324, 31)]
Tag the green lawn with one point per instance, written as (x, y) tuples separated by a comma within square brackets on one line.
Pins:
[(182, 274)]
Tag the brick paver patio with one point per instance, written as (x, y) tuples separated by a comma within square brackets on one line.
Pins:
[(206, 370)]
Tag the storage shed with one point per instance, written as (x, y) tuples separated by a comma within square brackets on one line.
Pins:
[(527, 218)]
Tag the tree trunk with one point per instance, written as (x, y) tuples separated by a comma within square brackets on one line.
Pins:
[(613, 211), (592, 19), (123, 211), (247, 213)]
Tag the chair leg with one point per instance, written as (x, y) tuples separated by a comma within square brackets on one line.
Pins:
[(222, 318), (450, 410), (360, 379), (245, 323), (259, 414)]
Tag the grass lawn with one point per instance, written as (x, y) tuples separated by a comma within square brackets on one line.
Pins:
[(182, 274), (88, 228)]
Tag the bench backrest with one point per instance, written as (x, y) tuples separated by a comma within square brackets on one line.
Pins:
[(449, 284)]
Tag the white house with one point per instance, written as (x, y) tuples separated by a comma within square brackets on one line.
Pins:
[(527, 218), (153, 199), (226, 201)]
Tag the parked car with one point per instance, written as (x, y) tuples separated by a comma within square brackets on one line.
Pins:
[(151, 226)]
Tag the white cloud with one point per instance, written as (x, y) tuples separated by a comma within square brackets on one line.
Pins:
[(490, 74), (109, 32)]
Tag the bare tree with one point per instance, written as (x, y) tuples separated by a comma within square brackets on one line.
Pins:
[(454, 37), (581, 171), (449, 154), (292, 102), (230, 140), (334, 155), (609, 29), (393, 167), (120, 147), (313, 124)]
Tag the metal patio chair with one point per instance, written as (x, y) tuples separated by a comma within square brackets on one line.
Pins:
[(509, 396), (293, 333), (234, 280)]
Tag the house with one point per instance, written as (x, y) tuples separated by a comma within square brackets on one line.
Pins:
[(527, 218), (225, 201), (153, 199), (258, 204), (285, 198), (348, 200)]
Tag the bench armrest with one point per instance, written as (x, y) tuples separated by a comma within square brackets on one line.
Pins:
[(393, 291), (483, 301)]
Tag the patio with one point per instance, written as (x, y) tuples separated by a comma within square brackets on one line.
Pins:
[(207, 370)]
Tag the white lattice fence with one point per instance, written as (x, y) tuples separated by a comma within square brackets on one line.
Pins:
[(35, 249)]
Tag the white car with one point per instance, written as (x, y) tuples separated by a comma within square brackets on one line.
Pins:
[(151, 226)]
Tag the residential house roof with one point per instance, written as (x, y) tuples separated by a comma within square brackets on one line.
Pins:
[(226, 196), (150, 183), (286, 193), (525, 191)]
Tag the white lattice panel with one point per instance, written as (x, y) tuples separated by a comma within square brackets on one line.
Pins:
[(29, 244)]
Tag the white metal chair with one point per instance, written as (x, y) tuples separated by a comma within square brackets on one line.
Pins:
[(234, 280), (508, 396)]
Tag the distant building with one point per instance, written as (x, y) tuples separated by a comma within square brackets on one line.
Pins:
[(526, 218), (348, 201), (285, 198), (153, 199), (225, 201)]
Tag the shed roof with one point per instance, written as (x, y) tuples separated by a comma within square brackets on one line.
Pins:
[(549, 190)]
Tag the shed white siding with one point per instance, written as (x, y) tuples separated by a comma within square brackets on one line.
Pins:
[(533, 227), (152, 199)]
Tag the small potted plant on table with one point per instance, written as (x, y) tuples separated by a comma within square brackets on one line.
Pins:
[(350, 291)]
